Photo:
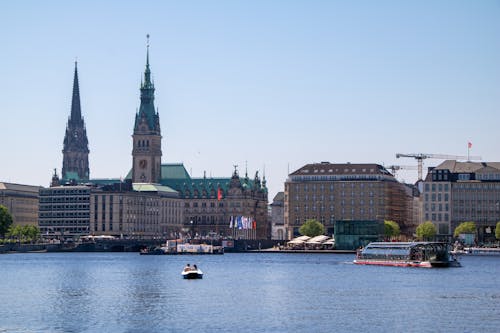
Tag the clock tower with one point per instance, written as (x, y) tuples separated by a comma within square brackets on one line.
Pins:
[(75, 147), (146, 151)]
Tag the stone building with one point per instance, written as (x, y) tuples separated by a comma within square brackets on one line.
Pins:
[(209, 203), (344, 192), (138, 210), (456, 192), (278, 227), (214, 206), (21, 202)]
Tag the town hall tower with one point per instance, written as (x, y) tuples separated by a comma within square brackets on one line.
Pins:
[(146, 152)]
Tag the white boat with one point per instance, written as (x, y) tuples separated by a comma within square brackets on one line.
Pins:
[(482, 251), (192, 273), (407, 254)]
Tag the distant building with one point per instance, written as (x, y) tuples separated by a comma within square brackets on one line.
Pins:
[(141, 210), (278, 217), (456, 192), (21, 202), (75, 152), (156, 199), (344, 192), (228, 207), (64, 211), (220, 207)]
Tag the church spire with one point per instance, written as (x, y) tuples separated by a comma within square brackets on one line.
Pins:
[(76, 112), (75, 145)]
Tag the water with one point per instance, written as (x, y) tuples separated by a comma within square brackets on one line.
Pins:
[(126, 292)]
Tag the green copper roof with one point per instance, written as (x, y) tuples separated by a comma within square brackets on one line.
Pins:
[(174, 171), (71, 175), (147, 107), (176, 177)]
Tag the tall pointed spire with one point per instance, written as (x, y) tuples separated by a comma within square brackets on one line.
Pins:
[(147, 108), (147, 73), (75, 145), (76, 112)]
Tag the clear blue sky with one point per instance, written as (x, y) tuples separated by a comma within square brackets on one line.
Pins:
[(275, 83)]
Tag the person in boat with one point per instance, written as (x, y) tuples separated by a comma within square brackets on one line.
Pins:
[(195, 268), (187, 268)]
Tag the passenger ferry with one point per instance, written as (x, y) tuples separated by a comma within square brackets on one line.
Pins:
[(407, 254)]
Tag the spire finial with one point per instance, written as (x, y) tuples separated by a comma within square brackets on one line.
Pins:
[(147, 53)]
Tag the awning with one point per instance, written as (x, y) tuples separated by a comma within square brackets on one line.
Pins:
[(318, 239)]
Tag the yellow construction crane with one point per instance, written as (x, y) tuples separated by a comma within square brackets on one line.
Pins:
[(420, 157)]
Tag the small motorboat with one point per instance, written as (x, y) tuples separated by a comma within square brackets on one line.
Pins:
[(192, 273)]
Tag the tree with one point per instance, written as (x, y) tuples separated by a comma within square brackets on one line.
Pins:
[(32, 232), (5, 220), (497, 231), (465, 228), (24, 233), (391, 229), (426, 230), (312, 228)]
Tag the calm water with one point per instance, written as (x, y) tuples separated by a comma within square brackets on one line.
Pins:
[(126, 292)]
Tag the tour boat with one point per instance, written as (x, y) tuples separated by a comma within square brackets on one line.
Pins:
[(192, 273), (407, 254)]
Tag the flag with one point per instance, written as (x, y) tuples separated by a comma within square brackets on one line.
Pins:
[(219, 194), (231, 222), (254, 225), (240, 225), (469, 144)]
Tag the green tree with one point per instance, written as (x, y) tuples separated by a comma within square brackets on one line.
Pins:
[(497, 231), (465, 228), (312, 228), (5, 220), (426, 230), (15, 231), (391, 229), (31, 232)]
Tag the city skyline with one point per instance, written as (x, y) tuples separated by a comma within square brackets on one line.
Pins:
[(272, 85)]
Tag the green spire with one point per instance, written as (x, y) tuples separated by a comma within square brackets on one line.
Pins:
[(147, 108)]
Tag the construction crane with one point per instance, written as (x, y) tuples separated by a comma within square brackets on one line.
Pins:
[(395, 168), (420, 157)]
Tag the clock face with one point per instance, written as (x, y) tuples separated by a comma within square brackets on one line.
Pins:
[(143, 164)]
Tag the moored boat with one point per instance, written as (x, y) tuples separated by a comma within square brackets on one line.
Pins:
[(407, 254), (482, 251)]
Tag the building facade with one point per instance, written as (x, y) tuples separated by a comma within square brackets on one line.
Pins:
[(278, 227), (344, 192), (139, 210), (456, 192), (21, 202), (233, 207), (75, 151), (64, 211)]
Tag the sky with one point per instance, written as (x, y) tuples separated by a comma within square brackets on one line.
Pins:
[(266, 85)]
